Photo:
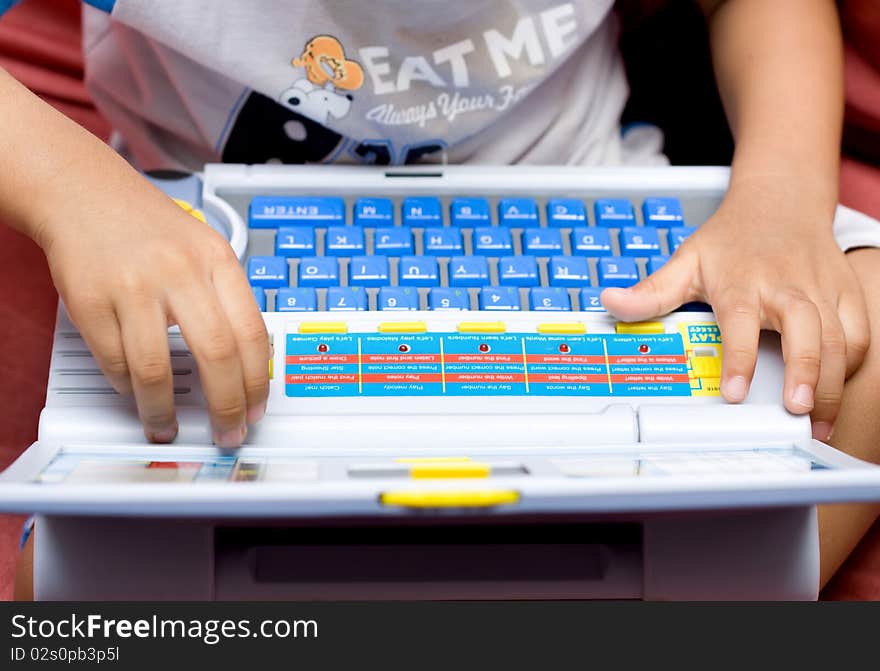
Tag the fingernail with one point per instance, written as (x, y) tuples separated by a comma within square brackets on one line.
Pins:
[(256, 412), (230, 437), (163, 436), (822, 431), (803, 396), (736, 388)]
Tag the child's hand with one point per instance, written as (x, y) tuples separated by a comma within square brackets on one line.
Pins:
[(128, 263), (767, 260)]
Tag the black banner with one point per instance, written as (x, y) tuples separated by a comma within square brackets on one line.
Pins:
[(419, 635)]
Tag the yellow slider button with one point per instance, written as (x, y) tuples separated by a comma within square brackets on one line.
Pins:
[(451, 469), (323, 327), (482, 327), (449, 499), (640, 328), (563, 328), (403, 327)]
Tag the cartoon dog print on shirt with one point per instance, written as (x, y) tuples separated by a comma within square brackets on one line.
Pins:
[(292, 128), (322, 94), (325, 63), (317, 103)]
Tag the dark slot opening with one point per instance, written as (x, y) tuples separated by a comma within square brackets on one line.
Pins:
[(528, 552)]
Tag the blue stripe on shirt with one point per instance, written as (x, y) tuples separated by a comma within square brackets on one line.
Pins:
[(6, 5), (106, 5)]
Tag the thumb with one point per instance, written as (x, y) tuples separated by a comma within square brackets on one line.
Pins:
[(666, 290)]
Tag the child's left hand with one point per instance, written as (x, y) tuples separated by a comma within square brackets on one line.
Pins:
[(767, 260)]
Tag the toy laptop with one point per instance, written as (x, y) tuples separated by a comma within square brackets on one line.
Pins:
[(452, 414)]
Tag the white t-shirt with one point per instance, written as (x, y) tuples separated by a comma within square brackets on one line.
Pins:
[(386, 82)]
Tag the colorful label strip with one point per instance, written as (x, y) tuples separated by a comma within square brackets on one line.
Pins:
[(509, 364)]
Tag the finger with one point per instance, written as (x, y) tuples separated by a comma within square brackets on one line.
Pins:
[(250, 334), (797, 319), (145, 340), (832, 375), (853, 314), (209, 337), (658, 294), (738, 312), (100, 330)]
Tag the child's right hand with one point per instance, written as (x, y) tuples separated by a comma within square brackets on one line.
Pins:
[(128, 263)]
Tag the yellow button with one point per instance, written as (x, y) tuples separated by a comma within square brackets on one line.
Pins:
[(323, 327), (185, 204), (564, 328), (640, 328), (481, 327), (452, 469), (706, 366), (449, 499), (429, 460), (403, 327)]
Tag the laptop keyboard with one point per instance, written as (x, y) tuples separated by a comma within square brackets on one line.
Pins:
[(502, 254)]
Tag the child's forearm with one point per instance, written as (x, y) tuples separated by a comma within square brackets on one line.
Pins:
[(47, 159), (779, 68)]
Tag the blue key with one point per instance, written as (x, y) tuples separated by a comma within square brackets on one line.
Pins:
[(275, 211), (542, 241), (492, 241), (393, 241), (260, 295), (318, 271), (448, 298), (590, 241), (442, 241), (569, 271), (517, 212), (499, 298), (346, 299), (617, 271), (662, 212), (549, 299), (422, 212), (419, 271), (639, 241), (614, 212), (589, 297), (290, 241), (373, 212), (678, 234), (299, 299), (344, 241), (368, 271), (269, 272), (468, 271), (469, 212), (398, 298), (518, 271), (566, 212), (656, 262)]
